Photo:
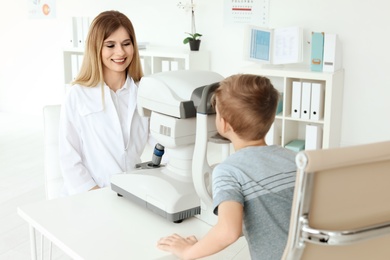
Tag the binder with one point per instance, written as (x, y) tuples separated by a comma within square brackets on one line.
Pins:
[(313, 137), (68, 36), (142, 64), (332, 53), (79, 32), (74, 66), (272, 138), (165, 65), (174, 65), (305, 102), (317, 101), (317, 51), (279, 109), (296, 99), (85, 27), (80, 58)]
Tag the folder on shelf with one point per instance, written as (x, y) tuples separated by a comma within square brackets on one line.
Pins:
[(274, 46), (296, 99), (279, 108), (332, 53), (272, 137), (79, 32), (85, 27), (68, 36), (74, 66), (287, 45), (296, 145), (317, 51), (305, 100), (80, 58), (142, 64), (142, 45), (313, 137), (165, 65), (317, 101), (174, 65)]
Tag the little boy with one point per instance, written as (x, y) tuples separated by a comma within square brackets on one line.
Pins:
[(253, 188)]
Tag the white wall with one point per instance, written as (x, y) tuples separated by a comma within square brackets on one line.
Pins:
[(31, 70)]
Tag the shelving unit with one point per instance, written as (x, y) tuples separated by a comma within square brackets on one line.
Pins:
[(158, 59), (286, 128), (72, 58), (153, 59)]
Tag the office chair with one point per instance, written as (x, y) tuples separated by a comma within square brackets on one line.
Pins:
[(341, 206), (53, 177)]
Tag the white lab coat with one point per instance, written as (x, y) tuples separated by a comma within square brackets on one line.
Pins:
[(91, 141)]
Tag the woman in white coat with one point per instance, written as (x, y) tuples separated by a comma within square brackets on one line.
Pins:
[(101, 133)]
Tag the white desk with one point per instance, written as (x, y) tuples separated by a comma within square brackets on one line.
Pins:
[(100, 225)]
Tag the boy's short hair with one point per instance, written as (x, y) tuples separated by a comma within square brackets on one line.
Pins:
[(248, 103)]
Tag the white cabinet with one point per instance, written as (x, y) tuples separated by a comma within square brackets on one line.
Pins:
[(156, 60), (288, 128), (153, 60), (72, 62)]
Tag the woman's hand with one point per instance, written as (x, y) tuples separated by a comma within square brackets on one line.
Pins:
[(95, 188)]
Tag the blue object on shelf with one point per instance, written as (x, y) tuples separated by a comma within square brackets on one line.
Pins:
[(296, 145)]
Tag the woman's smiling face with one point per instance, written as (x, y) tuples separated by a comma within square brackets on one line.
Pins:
[(117, 51)]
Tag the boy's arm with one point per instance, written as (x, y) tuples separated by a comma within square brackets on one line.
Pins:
[(227, 230)]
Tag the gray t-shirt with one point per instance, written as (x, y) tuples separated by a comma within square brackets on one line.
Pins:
[(262, 179)]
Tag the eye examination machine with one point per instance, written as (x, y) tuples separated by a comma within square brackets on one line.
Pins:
[(182, 120)]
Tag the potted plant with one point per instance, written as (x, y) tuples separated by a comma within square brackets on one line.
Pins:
[(194, 38)]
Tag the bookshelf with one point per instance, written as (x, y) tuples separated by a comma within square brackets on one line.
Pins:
[(158, 59), (153, 60), (287, 128)]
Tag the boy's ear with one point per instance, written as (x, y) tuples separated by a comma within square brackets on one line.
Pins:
[(225, 125)]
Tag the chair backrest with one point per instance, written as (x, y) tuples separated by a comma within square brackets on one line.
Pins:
[(53, 177), (341, 207)]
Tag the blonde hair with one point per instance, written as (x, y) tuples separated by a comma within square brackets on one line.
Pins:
[(248, 103), (91, 71)]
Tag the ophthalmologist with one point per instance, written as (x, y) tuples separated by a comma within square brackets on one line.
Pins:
[(101, 132)]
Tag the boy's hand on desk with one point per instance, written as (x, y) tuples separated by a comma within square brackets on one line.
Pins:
[(176, 244)]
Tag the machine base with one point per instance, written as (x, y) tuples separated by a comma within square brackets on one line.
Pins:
[(170, 198), (177, 217)]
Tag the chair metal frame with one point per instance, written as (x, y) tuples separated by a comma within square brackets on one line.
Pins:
[(303, 233)]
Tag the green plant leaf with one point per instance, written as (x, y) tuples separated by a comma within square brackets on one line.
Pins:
[(197, 35), (192, 37)]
